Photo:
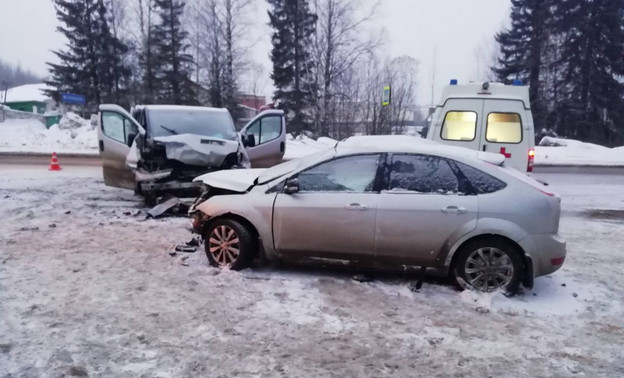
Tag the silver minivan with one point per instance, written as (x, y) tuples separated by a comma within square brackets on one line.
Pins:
[(161, 148)]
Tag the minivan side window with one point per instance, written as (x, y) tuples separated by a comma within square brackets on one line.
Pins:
[(266, 129), (117, 127), (459, 125), (422, 174), (503, 128)]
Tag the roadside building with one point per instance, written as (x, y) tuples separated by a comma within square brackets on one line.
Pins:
[(30, 98)]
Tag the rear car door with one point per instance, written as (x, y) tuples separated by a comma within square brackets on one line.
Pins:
[(117, 134), (333, 214), (507, 131), (459, 123), (422, 208), (269, 131)]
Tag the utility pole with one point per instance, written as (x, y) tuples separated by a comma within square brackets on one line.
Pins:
[(433, 75), (4, 100)]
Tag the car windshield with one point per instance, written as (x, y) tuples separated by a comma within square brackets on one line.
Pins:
[(293, 165), (199, 121)]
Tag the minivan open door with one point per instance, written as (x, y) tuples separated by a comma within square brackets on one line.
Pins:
[(117, 136), (266, 138)]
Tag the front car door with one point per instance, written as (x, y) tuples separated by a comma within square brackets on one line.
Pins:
[(423, 207), (269, 131), (117, 134), (333, 214)]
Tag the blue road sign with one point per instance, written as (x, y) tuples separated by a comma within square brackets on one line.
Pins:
[(71, 98)]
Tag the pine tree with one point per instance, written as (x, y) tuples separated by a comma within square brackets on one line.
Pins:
[(523, 48), (92, 65), (593, 108), (174, 63), (293, 28)]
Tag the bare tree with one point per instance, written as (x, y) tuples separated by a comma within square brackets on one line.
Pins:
[(220, 48), (340, 43)]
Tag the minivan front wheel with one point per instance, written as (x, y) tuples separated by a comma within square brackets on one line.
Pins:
[(489, 265), (229, 244)]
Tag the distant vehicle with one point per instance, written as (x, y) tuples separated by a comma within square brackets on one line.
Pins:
[(490, 117), (161, 148), (384, 202)]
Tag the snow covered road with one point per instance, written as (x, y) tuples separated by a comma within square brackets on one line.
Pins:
[(88, 287)]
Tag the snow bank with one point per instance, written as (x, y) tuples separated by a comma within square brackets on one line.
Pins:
[(557, 151), (303, 145), (72, 135)]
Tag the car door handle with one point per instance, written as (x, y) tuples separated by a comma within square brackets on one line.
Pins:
[(356, 206), (454, 210)]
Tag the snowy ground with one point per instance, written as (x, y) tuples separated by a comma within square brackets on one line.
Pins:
[(99, 294)]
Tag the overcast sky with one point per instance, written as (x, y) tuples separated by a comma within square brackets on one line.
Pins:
[(460, 32)]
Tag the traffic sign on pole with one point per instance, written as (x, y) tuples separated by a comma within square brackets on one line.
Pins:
[(387, 96)]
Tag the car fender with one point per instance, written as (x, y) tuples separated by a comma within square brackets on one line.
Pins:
[(239, 205), (487, 226)]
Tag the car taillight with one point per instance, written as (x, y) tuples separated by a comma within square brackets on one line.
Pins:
[(557, 260), (531, 160)]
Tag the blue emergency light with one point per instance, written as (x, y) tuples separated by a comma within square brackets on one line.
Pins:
[(517, 83), (453, 81)]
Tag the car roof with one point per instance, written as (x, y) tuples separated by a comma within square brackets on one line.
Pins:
[(412, 145), (182, 108)]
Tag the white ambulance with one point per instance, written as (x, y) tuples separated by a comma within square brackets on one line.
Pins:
[(489, 117)]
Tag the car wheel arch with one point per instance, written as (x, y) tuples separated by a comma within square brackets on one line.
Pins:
[(528, 262), (236, 217)]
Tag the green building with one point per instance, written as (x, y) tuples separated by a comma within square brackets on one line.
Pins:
[(31, 98)]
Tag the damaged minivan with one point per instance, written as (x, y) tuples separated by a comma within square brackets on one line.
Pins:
[(159, 149)]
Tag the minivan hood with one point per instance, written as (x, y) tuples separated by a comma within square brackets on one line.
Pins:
[(236, 180), (197, 150)]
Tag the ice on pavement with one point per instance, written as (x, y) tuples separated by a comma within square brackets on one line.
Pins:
[(100, 291)]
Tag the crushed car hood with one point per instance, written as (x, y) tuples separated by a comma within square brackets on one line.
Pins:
[(197, 149), (236, 180)]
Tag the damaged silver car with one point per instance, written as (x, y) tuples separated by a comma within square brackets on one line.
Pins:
[(161, 148)]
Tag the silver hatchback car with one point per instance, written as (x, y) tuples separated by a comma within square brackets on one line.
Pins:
[(385, 202)]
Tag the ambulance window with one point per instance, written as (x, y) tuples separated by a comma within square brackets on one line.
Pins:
[(459, 125), (503, 128)]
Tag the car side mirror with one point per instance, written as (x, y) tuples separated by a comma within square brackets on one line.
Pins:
[(291, 186), (131, 138), (249, 140)]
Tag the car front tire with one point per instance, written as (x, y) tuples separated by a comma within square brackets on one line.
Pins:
[(489, 265), (228, 243)]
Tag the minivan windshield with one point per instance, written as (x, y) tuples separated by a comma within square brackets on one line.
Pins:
[(187, 120)]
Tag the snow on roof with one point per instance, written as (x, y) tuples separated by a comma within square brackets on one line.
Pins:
[(184, 107), (494, 91), (28, 92), (412, 144)]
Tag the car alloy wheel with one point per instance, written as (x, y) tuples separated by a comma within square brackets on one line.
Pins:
[(488, 269), (224, 245)]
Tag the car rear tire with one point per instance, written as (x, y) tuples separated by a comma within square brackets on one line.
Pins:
[(229, 244), (488, 265)]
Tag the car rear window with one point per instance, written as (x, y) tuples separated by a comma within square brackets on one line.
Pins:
[(503, 128), (482, 182), (459, 125)]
